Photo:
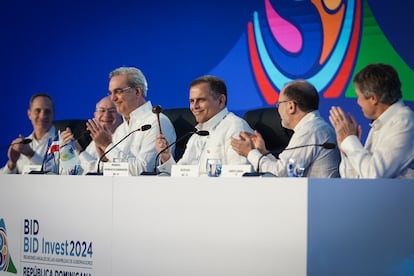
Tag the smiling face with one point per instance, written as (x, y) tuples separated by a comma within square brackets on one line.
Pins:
[(125, 98), (107, 115), (41, 114), (203, 104)]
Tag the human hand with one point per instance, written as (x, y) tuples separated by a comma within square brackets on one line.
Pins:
[(13, 153), (101, 135), (259, 142), (24, 149), (161, 144), (344, 124), (243, 145), (66, 135)]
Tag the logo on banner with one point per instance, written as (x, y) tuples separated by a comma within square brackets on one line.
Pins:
[(6, 262), (317, 41)]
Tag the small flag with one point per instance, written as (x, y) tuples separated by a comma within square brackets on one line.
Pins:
[(54, 147)]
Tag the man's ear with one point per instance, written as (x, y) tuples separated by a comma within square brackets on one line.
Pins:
[(374, 99), (138, 90), (292, 107), (222, 99)]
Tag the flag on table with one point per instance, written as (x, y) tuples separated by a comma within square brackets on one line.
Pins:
[(54, 147), (51, 163)]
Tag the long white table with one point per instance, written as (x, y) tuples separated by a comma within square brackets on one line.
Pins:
[(95, 225)]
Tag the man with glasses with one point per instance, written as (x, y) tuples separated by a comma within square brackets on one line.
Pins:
[(298, 108), (22, 155), (128, 91), (108, 117)]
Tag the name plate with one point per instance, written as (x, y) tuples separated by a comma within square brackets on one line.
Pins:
[(29, 168), (184, 170), (115, 169), (235, 170)]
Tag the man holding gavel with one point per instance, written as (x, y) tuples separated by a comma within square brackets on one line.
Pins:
[(128, 91)]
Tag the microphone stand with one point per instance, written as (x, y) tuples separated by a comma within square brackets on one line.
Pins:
[(42, 168), (24, 142), (200, 132), (325, 145), (98, 170)]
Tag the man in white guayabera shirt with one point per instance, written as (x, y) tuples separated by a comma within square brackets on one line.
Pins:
[(298, 109), (389, 149), (208, 101), (41, 113)]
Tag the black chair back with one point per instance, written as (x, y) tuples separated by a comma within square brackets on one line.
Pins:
[(183, 121), (78, 127)]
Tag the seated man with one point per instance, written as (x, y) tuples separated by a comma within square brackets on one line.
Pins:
[(108, 117), (208, 100), (298, 108), (389, 149), (128, 91), (41, 113)]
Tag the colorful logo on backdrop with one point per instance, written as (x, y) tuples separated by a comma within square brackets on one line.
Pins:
[(315, 40), (6, 262)]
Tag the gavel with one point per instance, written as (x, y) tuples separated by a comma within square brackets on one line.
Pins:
[(157, 110)]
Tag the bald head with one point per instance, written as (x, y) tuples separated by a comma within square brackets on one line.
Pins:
[(107, 115), (303, 93)]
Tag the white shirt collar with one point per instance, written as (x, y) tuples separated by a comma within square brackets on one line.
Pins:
[(308, 117), (140, 112), (387, 115)]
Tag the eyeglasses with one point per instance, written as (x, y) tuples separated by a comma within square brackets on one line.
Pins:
[(118, 91), (103, 110), (280, 102)]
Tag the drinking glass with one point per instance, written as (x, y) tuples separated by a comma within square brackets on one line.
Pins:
[(299, 169), (295, 168), (213, 167)]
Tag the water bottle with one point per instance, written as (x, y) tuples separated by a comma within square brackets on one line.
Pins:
[(290, 167), (69, 159)]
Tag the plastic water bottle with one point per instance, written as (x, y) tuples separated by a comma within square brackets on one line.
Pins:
[(290, 167), (69, 159)]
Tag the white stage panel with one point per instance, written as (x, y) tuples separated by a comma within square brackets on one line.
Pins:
[(57, 224), (209, 226)]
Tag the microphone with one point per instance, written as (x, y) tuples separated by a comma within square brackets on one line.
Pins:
[(98, 172), (157, 110), (42, 168), (24, 142), (199, 132), (325, 145)]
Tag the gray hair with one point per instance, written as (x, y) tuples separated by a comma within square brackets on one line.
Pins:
[(380, 79), (41, 94), (135, 77)]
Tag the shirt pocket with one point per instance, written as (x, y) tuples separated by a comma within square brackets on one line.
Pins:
[(215, 151)]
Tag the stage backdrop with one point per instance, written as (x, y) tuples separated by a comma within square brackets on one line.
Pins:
[(67, 49)]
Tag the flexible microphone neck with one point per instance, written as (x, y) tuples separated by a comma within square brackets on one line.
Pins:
[(142, 128), (24, 142), (42, 168), (199, 132), (324, 145)]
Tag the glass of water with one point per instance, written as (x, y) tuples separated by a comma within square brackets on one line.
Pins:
[(213, 167), (299, 169), (295, 168)]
